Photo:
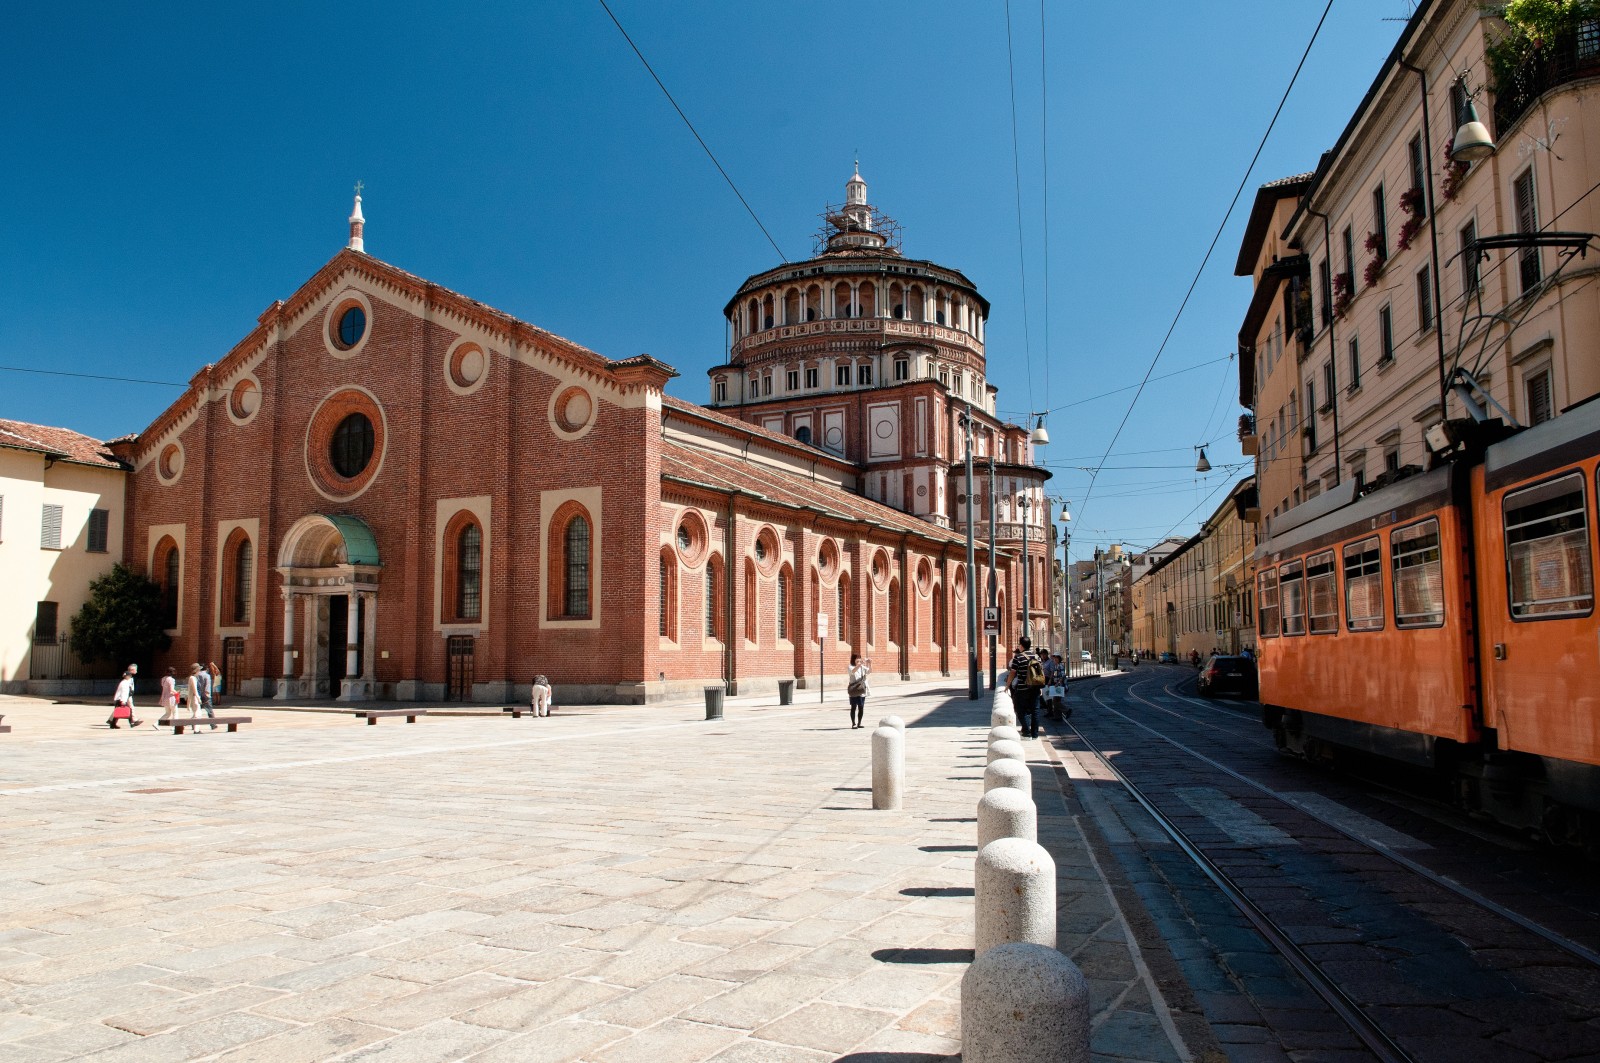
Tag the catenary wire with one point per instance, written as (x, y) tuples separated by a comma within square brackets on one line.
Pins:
[(701, 140), (1216, 237)]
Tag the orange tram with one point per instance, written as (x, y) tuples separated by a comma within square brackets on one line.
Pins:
[(1447, 621)]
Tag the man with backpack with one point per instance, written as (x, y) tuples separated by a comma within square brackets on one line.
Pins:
[(1025, 679)]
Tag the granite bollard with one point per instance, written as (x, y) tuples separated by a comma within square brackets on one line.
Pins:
[(1006, 812), (1008, 772), (1010, 734), (893, 721), (1024, 1003), (1015, 890), (888, 767), (1001, 749)]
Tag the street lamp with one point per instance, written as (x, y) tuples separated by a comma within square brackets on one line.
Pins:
[(1066, 576), (972, 580)]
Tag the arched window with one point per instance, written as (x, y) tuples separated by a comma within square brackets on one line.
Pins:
[(669, 594), (783, 603), (469, 573), (803, 434), (243, 573), (841, 300), (577, 567), (714, 598), (867, 299), (752, 602), (168, 568)]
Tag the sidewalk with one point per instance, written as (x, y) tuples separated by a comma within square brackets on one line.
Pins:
[(609, 884)]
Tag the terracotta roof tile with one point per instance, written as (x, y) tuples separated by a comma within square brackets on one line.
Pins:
[(63, 442), (685, 462)]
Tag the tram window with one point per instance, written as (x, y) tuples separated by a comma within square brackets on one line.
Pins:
[(1418, 575), (1548, 568), (1292, 598), (1267, 604), (1322, 594), (1363, 586)]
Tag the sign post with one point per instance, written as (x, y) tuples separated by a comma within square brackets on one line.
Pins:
[(822, 667)]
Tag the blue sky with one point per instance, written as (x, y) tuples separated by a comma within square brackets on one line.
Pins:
[(173, 169)]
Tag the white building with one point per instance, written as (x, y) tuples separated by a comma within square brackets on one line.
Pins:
[(61, 511)]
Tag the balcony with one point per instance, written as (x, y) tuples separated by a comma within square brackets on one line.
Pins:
[(1567, 58)]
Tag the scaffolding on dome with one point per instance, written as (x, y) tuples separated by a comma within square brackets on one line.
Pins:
[(837, 223)]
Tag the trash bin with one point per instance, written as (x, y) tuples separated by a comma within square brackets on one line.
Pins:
[(714, 703), (786, 692)]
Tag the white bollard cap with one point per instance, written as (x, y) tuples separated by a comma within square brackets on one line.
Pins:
[(1004, 749), (893, 721), (1002, 716), (1003, 731), (1008, 772), (1006, 812)]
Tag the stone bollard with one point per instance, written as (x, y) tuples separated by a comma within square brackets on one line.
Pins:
[(1006, 812), (1024, 1003), (893, 721), (888, 767), (1008, 772), (1010, 734), (1003, 749), (1015, 886), (1002, 715)]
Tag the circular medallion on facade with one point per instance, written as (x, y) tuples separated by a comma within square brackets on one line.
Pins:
[(692, 539), (344, 445), (572, 412), (924, 575), (347, 324), (169, 463), (960, 582), (466, 367), (834, 437), (828, 558), (765, 549), (883, 429), (922, 490), (244, 399), (880, 570)]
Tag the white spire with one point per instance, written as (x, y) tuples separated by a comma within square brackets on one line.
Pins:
[(855, 190), (357, 223)]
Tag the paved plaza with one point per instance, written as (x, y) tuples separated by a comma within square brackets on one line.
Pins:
[(607, 885)]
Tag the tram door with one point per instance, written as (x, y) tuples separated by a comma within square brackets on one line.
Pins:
[(459, 658)]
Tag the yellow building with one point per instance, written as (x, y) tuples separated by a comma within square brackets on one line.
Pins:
[(1197, 599), (61, 510)]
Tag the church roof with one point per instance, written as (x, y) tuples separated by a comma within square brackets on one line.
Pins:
[(61, 444), (686, 463)]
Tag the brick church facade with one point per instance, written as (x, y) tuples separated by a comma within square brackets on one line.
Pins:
[(389, 490)]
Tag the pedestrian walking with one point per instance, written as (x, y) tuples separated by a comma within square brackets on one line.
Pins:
[(1024, 677), (169, 694), (856, 688), (203, 685), (191, 694), (1055, 688), (122, 700), (543, 698), (216, 681)]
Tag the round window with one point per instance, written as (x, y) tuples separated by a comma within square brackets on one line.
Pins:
[(350, 449), (685, 539), (761, 549), (352, 326)]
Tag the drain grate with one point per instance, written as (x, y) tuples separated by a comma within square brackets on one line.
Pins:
[(160, 790)]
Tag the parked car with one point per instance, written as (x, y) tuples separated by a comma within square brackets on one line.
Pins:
[(1167, 658), (1085, 656), (1227, 674)]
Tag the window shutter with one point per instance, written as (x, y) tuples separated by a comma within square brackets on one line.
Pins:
[(99, 522), (50, 531)]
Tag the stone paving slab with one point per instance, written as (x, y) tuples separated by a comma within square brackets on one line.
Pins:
[(604, 886)]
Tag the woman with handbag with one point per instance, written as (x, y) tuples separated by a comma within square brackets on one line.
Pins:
[(122, 702), (856, 688)]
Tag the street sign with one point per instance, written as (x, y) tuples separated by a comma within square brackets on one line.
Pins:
[(991, 620), (822, 625)]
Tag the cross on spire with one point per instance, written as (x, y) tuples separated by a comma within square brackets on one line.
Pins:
[(359, 187)]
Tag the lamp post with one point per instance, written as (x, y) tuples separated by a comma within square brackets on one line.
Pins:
[(994, 602), (972, 579), (1023, 505), (1099, 611), (1066, 574)]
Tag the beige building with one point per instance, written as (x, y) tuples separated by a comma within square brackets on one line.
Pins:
[(1435, 285), (61, 510), (1198, 598)]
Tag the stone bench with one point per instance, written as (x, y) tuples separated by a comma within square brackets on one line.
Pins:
[(178, 723), (373, 715), (5, 728)]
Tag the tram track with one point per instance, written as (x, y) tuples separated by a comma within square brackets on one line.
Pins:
[(1368, 1030)]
